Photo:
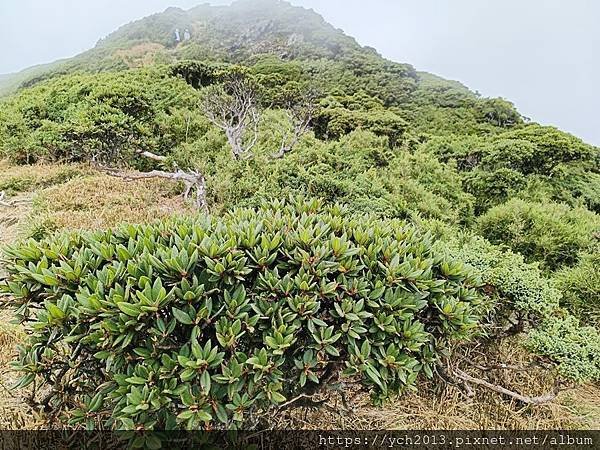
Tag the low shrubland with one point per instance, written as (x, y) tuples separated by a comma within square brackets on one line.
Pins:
[(553, 234), (192, 322), (210, 321), (533, 162)]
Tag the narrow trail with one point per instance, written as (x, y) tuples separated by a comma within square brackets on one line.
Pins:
[(14, 412), (11, 217)]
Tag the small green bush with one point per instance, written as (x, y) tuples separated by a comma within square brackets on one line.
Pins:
[(333, 123), (527, 301), (205, 322), (520, 286), (551, 233), (580, 286), (574, 346)]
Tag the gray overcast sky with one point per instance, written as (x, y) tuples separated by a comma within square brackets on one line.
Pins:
[(544, 55)]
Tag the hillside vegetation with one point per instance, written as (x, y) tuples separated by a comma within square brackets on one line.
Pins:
[(344, 223)]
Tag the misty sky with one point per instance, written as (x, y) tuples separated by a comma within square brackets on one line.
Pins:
[(544, 55)]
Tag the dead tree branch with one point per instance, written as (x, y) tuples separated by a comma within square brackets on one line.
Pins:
[(192, 180), (233, 107), (304, 400), (542, 399), (500, 366), (12, 203), (151, 155), (2, 202), (300, 113)]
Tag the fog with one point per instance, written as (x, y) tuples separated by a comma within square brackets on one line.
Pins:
[(544, 55)]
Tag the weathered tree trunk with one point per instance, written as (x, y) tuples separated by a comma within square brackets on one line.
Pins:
[(193, 180)]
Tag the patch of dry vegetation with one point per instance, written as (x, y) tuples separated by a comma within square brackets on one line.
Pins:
[(140, 55), (102, 201), (15, 414), (20, 179)]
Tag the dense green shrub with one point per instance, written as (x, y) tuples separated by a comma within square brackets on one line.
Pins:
[(103, 117), (580, 286), (574, 346), (499, 112), (333, 123), (527, 301), (202, 322), (520, 287), (492, 188), (551, 233), (524, 162), (552, 147), (359, 170)]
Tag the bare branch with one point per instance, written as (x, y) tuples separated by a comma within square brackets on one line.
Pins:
[(546, 398), (151, 155), (233, 108), (501, 366), (12, 203), (300, 111), (307, 400), (191, 180)]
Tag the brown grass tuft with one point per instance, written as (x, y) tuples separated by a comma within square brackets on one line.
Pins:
[(19, 179), (14, 412), (140, 55)]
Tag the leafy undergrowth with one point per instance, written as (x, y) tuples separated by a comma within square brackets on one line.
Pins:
[(54, 196)]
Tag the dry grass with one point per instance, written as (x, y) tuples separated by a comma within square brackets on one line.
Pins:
[(439, 406), (101, 201), (140, 55), (11, 220), (20, 179), (14, 412)]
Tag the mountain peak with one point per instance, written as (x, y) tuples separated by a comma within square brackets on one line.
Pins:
[(234, 32)]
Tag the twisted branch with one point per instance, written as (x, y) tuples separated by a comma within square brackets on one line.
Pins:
[(540, 400), (193, 180)]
